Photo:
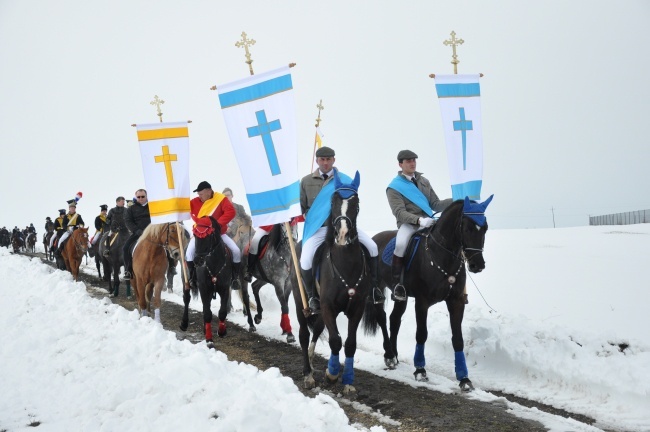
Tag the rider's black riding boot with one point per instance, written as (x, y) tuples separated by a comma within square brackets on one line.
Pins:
[(127, 266), (377, 292), (399, 292), (314, 301), (236, 268), (250, 268)]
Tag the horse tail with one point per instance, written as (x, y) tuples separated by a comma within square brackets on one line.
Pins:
[(370, 318)]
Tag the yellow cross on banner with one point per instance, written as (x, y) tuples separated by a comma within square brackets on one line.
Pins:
[(167, 159)]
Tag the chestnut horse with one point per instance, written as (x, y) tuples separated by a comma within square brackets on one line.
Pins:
[(74, 250), (150, 263)]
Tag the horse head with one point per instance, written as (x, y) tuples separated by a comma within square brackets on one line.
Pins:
[(80, 238), (345, 209), (473, 228), (207, 235), (176, 240)]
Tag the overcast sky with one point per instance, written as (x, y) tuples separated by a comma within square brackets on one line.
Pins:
[(564, 97)]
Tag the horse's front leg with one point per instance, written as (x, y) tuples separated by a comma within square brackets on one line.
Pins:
[(456, 308), (185, 320), (256, 293), (247, 308), (157, 301), (285, 322), (421, 334), (224, 295), (205, 290), (333, 365), (390, 356), (351, 347)]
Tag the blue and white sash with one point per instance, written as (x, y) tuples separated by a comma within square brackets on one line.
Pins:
[(411, 193), (321, 208)]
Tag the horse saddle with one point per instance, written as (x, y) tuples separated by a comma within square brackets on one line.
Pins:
[(411, 249)]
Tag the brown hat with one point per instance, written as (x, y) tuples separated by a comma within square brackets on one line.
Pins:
[(325, 152)]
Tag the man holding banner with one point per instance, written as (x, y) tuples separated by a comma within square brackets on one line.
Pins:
[(316, 190)]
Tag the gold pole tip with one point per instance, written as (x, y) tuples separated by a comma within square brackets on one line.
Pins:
[(214, 87)]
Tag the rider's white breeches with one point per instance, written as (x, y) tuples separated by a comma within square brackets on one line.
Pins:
[(403, 236), (255, 241), (309, 247), (236, 253)]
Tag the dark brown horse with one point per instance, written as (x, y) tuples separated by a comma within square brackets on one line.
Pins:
[(31, 242), (436, 272), (150, 263), (345, 283), (74, 250)]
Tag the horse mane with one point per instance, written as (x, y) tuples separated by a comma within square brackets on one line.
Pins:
[(275, 236), (153, 230)]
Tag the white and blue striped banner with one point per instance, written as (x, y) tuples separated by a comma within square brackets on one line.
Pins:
[(460, 105), (260, 115)]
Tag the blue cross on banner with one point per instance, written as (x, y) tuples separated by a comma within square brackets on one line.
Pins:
[(259, 112), (460, 106), (264, 129)]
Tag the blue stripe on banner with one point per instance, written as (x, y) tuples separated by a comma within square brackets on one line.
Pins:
[(274, 200), (470, 189), (256, 91), (458, 90)]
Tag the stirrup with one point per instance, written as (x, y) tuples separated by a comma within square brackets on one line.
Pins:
[(399, 292), (377, 296)]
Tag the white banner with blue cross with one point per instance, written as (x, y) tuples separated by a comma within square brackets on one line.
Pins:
[(260, 115), (460, 105)]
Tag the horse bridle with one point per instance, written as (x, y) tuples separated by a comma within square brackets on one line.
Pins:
[(166, 244)]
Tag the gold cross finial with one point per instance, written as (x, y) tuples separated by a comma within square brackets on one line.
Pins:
[(320, 108), (167, 159), (157, 102), (245, 43), (454, 42)]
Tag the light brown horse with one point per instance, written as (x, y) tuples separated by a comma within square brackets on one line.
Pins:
[(150, 263), (74, 250)]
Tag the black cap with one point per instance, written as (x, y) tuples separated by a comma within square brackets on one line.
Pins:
[(72, 203), (406, 154), (325, 152), (119, 198), (103, 207), (203, 185), (61, 211), (48, 218)]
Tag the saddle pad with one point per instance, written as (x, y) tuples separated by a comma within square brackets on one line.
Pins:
[(411, 249)]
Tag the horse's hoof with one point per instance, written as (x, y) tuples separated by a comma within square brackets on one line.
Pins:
[(222, 331), (184, 326), (252, 329), (466, 385), (391, 363), (291, 338), (331, 379), (210, 344), (258, 319), (309, 382), (421, 375), (348, 389)]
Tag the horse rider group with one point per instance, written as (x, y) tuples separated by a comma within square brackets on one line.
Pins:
[(64, 225), (410, 196)]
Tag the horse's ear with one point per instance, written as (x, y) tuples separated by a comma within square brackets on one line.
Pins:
[(467, 203), (357, 181), (485, 203)]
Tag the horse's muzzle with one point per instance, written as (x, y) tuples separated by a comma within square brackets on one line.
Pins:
[(476, 263)]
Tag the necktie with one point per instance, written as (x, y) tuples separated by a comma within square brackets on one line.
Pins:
[(415, 182), (325, 176)]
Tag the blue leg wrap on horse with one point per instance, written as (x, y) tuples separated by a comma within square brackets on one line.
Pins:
[(461, 366), (418, 358), (348, 372), (333, 366)]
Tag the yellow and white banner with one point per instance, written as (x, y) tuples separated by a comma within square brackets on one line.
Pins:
[(165, 150)]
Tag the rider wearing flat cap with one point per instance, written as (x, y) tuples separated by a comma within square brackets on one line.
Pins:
[(413, 202), (215, 204), (310, 187)]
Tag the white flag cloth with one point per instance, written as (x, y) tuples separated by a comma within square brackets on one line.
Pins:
[(460, 105), (260, 115), (165, 151)]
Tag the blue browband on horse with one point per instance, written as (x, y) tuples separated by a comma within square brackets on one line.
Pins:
[(476, 211), (346, 192)]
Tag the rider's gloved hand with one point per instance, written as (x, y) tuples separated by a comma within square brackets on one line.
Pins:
[(425, 222)]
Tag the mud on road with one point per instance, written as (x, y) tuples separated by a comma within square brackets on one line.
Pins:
[(378, 402)]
